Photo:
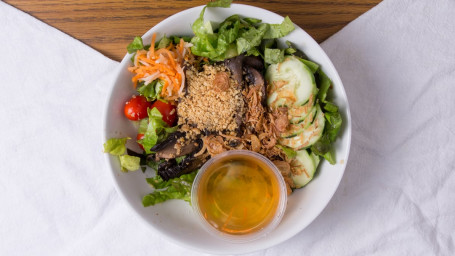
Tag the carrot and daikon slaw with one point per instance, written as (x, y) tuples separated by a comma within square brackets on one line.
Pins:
[(164, 64)]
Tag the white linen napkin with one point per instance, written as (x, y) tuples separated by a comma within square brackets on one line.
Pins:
[(397, 63)]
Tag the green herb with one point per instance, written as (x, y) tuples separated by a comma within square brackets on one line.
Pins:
[(115, 146), (177, 188)]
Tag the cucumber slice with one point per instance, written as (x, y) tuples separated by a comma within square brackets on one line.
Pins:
[(307, 135), (304, 167), (291, 83), (292, 131), (305, 119), (299, 127)]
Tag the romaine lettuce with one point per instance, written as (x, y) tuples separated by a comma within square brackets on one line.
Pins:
[(129, 163), (157, 130), (115, 146), (245, 34), (177, 188)]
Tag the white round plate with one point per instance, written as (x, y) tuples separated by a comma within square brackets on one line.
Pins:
[(175, 219)]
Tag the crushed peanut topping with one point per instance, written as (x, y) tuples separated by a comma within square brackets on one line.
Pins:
[(213, 101)]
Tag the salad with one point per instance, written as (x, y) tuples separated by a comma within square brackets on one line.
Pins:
[(227, 87)]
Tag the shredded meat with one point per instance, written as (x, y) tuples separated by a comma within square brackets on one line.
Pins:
[(285, 169), (255, 110), (281, 119), (214, 144), (261, 126)]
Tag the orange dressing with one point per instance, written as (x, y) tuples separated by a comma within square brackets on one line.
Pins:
[(238, 195)]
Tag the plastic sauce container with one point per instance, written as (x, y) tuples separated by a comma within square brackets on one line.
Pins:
[(239, 195)]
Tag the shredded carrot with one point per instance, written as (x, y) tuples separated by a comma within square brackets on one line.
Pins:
[(164, 64)]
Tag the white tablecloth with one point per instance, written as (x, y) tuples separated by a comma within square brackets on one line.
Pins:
[(397, 197)]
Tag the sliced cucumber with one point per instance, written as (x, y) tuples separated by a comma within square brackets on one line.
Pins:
[(304, 167), (306, 118), (306, 136), (299, 127), (291, 83), (292, 131)]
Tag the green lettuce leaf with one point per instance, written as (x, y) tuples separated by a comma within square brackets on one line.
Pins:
[(152, 90), (163, 43), (290, 153), (254, 51), (234, 36), (251, 37), (273, 56), (334, 120), (324, 83), (324, 146), (176, 39), (252, 21), (157, 130), (290, 51), (135, 45), (311, 65), (279, 30), (329, 106), (115, 146), (229, 29), (129, 163), (177, 188), (143, 125), (220, 3), (201, 28)]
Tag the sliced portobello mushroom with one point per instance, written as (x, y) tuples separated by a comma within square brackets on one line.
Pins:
[(255, 78), (167, 149), (171, 168)]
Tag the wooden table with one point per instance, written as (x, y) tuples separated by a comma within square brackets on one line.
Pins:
[(109, 25)]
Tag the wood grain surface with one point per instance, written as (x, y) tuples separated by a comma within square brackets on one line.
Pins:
[(109, 25)]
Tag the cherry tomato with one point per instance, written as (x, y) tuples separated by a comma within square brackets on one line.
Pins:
[(168, 111), (136, 107), (140, 136)]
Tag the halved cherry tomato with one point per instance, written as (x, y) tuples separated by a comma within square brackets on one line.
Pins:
[(136, 108), (140, 136), (168, 111)]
